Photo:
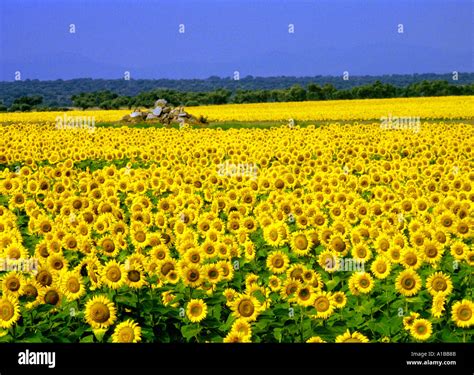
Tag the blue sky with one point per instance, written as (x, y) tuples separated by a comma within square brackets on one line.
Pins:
[(249, 36)]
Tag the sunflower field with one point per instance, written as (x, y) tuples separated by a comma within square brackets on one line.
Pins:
[(337, 233)]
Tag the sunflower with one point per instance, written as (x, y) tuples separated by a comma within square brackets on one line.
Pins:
[(212, 272), (246, 307), (354, 337), (462, 228), (329, 261), (194, 255), (315, 339), (361, 252), (44, 277), (411, 258), (470, 258), (50, 296), (57, 262), (100, 312), (408, 283), (277, 262), (300, 243), (135, 277), (230, 295), (439, 283), (113, 274), (192, 275), (31, 290), (362, 282), (432, 251), (236, 337), (9, 311), (72, 285), (305, 296), (437, 306), (462, 313), (459, 250), (227, 271), (127, 332), (196, 310), (242, 327), (447, 220), (408, 320), (421, 329), (323, 304), (380, 267), (12, 283), (339, 299), (165, 266), (338, 245), (273, 235), (274, 283)]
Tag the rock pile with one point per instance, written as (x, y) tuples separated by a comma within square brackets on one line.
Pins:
[(164, 114)]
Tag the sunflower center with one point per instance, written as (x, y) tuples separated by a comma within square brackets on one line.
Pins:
[(278, 262), (304, 294), (339, 245), (167, 267), (114, 274), (13, 285), (431, 252), (273, 235), (134, 275), (31, 291), (408, 283), (213, 274), (100, 312), (381, 267), (411, 259), (246, 308), (439, 284), (193, 275), (51, 297), (126, 334), (301, 242), (14, 253), (7, 311), (140, 236), (196, 310), (465, 313), (73, 285), (321, 304), (462, 228), (44, 278), (421, 329), (364, 283), (108, 246), (352, 339)]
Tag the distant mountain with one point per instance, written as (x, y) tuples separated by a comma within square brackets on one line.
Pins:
[(59, 92)]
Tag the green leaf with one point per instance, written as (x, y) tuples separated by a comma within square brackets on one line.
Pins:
[(87, 339), (190, 331), (277, 333)]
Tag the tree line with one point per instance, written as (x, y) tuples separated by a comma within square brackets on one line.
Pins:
[(107, 99)]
